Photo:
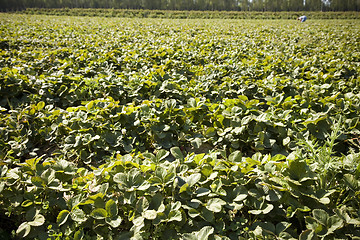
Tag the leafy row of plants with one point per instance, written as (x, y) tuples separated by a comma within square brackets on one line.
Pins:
[(141, 13), (180, 129), (169, 195), (102, 128)]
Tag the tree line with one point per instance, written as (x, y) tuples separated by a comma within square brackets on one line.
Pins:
[(218, 5)]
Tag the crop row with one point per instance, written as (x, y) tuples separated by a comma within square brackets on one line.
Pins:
[(141, 13), (197, 196)]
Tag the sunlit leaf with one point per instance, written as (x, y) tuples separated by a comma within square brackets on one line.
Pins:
[(23, 230), (62, 217), (99, 213)]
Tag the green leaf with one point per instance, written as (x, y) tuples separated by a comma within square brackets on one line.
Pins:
[(31, 213), (149, 214), (40, 105), (79, 235), (334, 223), (281, 227), (311, 223), (120, 178), (193, 213), (273, 195), (297, 169), (324, 200), (268, 208), (205, 232), (255, 193), (215, 204), (161, 217), (2, 186), (210, 132), (78, 215), (144, 186), (308, 235), (161, 173), (114, 222), (326, 86), (99, 213), (156, 201), (161, 155), (314, 119), (286, 141), (235, 156), (176, 152), (345, 216), (127, 146), (37, 181), (90, 105), (38, 221), (241, 193), (199, 158), (256, 211), (48, 175), (149, 156), (193, 179), (265, 227), (206, 170), (130, 197), (175, 216), (27, 203), (193, 203), (351, 181), (62, 217), (23, 230), (190, 236), (278, 157), (111, 208), (175, 206), (321, 216), (239, 130), (202, 192), (131, 180), (138, 221), (142, 205), (196, 143)]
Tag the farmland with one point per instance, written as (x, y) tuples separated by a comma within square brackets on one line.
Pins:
[(120, 128)]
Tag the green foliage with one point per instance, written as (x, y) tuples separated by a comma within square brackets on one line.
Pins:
[(171, 14), (201, 129), (138, 199)]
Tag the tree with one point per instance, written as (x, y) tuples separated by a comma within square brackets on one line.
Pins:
[(296, 5), (244, 5), (344, 5), (235, 5), (320, 5), (257, 5)]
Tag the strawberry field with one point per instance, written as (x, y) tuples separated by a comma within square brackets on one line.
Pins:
[(119, 128)]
